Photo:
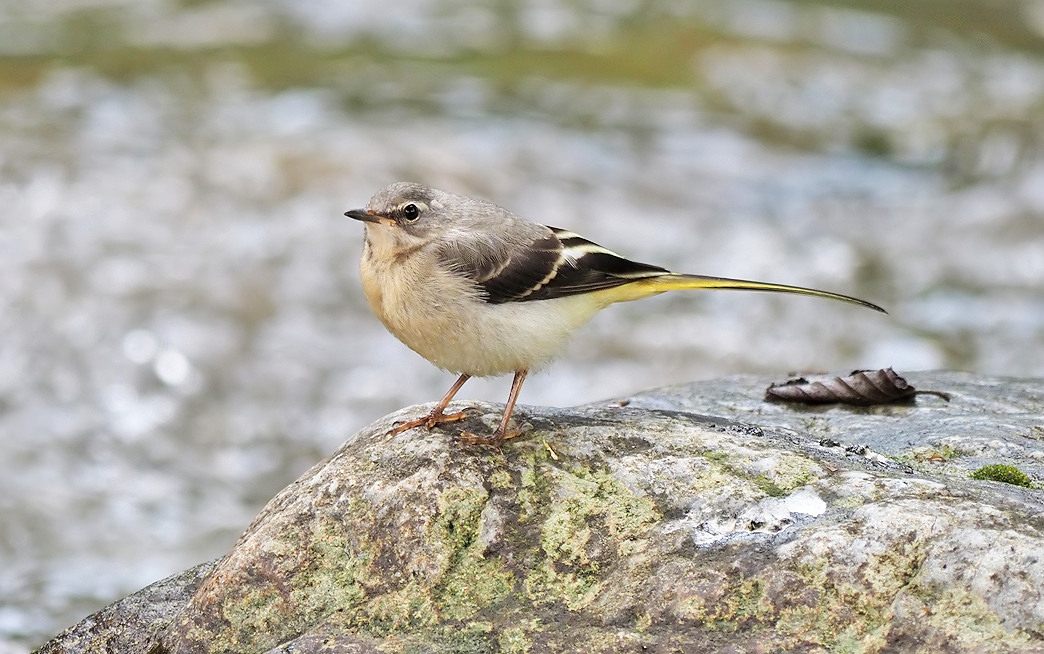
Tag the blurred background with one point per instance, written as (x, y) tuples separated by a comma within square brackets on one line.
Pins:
[(181, 327)]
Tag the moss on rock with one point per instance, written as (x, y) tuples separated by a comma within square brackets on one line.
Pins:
[(1003, 473)]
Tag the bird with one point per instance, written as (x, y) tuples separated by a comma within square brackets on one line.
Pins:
[(480, 291)]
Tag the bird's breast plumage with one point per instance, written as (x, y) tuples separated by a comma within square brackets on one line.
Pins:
[(450, 323)]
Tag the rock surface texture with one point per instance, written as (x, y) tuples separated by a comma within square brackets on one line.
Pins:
[(639, 525)]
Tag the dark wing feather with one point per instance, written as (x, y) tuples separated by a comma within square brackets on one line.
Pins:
[(527, 268), (558, 265)]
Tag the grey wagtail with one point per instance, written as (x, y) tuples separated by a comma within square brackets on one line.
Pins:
[(479, 291)]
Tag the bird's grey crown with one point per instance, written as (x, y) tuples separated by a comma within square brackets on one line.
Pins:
[(394, 195)]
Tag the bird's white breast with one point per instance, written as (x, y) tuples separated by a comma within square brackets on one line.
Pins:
[(442, 316)]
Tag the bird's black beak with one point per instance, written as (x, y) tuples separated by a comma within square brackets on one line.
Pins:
[(364, 215)]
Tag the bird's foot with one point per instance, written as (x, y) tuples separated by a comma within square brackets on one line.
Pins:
[(436, 417), (496, 439)]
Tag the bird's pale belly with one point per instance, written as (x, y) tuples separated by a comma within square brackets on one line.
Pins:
[(463, 334)]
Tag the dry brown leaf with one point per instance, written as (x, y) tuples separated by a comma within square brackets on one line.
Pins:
[(862, 387)]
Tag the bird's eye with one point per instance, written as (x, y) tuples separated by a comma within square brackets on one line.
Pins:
[(411, 212)]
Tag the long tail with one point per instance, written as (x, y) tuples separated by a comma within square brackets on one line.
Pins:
[(678, 281)]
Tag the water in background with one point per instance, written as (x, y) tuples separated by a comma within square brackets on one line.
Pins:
[(182, 331)]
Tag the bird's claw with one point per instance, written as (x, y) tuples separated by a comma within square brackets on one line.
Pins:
[(428, 422)]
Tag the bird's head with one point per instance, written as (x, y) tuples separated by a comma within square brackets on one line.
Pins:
[(404, 216)]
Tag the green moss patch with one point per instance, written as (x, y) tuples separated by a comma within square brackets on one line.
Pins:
[(1003, 473)]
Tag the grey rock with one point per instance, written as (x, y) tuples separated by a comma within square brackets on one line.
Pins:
[(641, 524)]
